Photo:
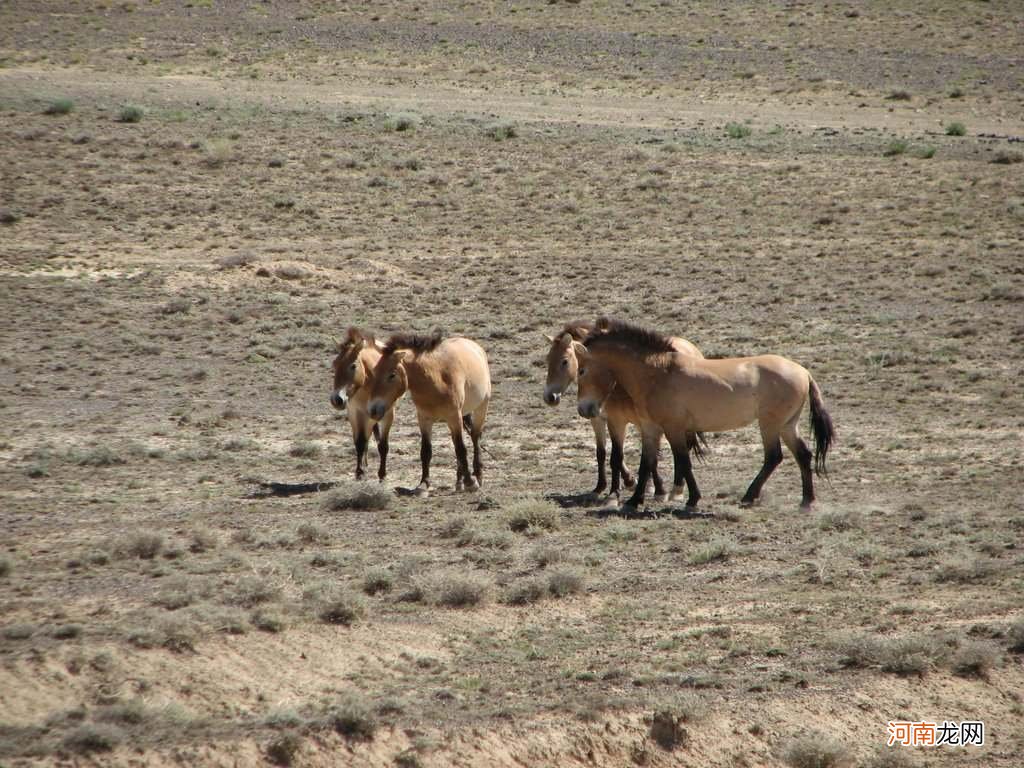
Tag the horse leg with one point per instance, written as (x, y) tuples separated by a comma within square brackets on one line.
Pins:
[(475, 431), (617, 430), (804, 458), (360, 437), (650, 437), (659, 487), (600, 434), (463, 479), (684, 470), (772, 459), (381, 430), (426, 452)]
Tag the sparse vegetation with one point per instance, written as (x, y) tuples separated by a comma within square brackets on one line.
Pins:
[(974, 659), (130, 114), (403, 121), (144, 546), (341, 607), (93, 737), (713, 551), (817, 750), (737, 130), (501, 131), (352, 718), (956, 129), (531, 514), (362, 499), (894, 148), (61, 106)]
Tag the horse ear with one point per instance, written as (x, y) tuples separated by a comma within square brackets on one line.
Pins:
[(379, 345), (403, 355), (356, 338), (566, 340), (582, 353), (550, 339)]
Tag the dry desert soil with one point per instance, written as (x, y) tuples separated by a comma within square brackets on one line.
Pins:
[(197, 199)]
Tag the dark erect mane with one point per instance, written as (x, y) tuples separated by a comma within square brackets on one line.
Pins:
[(355, 335), (579, 330), (417, 342), (611, 331)]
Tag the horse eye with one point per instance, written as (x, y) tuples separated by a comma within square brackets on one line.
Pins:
[(565, 363), (391, 377), (583, 371), (352, 367)]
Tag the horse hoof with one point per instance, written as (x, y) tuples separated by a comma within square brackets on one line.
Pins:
[(471, 485)]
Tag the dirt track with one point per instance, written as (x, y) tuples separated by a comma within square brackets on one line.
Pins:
[(172, 289)]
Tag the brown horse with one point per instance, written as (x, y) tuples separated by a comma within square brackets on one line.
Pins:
[(449, 381), (358, 353), (616, 411), (677, 395)]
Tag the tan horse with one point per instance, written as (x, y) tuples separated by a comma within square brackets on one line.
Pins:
[(616, 411), (449, 381), (677, 394), (358, 353)]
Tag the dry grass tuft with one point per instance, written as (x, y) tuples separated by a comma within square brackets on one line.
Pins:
[(522, 516), (363, 499), (352, 718), (817, 750)]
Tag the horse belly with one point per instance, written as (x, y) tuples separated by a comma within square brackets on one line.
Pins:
[(727, 414)]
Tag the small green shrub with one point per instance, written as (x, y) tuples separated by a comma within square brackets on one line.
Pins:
[(526, 591), (93, 737), (974, 660), (59, 107), (283, 749), (713, 551), (737, 130), (501, 131), (352, 718), (562, 583), (521, 516), (341, 607), (402, 121), (144, 546), (130, 113), (268, 620), (956, 129), (817, 751), (894, 148), (377, 580)]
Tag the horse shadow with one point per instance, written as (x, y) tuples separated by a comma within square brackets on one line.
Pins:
[(263, 490)]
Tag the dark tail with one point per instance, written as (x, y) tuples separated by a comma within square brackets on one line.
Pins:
[(698, 445), (376, 432), (824, 431), (467, 421)]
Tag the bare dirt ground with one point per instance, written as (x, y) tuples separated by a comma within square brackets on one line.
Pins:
[(786, 177)]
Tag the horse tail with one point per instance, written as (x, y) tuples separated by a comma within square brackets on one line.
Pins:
[(467, 422), (824, 430), (698, 445)]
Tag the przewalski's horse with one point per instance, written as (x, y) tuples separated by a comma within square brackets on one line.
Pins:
[(679, 394), (358, 353), (616, 411), (449, 381)]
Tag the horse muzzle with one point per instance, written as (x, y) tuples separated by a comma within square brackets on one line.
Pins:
[(377, 410), (339, 400), (552, 398), (588, 409)]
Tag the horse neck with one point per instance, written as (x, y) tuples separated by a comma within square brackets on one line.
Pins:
[(628, 365), (421, 374)]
